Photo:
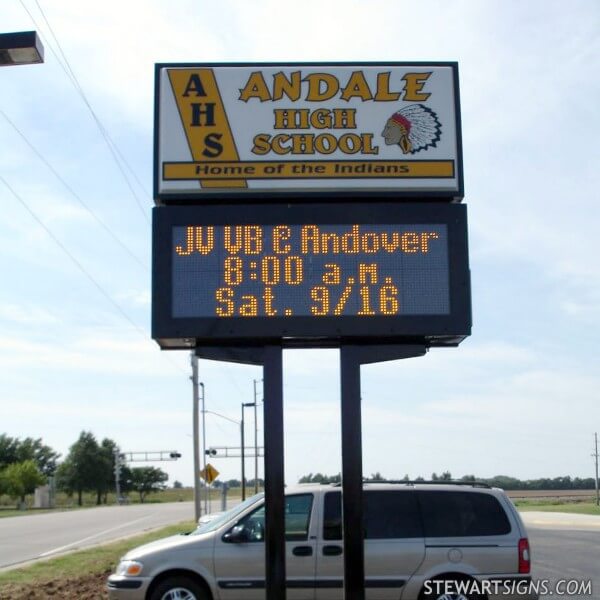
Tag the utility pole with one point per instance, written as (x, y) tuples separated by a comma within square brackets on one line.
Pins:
[(248, 405), (117, 455), (194, 378), (595, 455), (206, 488)]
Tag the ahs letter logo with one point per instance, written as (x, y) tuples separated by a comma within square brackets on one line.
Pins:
[(204, 119)]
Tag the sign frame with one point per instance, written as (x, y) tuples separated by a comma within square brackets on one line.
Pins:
[(230, 195), (311, 331)]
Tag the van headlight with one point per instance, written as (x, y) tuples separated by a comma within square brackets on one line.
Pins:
[(129, 568)]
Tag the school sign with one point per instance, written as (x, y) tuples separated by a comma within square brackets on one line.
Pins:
[(242, 131)]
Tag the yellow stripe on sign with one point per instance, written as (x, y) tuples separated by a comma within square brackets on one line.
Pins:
[(204, 120), (224, 171)]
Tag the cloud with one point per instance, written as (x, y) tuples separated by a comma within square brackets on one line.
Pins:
[(140, 298), (90, 351), (27, 314)]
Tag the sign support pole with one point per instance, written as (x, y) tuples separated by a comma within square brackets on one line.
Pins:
[(274, 474), (352, 509), (351, 358)]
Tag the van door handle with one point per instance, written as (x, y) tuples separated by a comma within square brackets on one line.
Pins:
[(332, 550), (302, 551)]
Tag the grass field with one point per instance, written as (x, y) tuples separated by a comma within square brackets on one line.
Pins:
[(63, 502), (575, 501), (581, 508)]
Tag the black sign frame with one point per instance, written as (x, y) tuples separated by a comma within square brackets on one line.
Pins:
[(311, 331)]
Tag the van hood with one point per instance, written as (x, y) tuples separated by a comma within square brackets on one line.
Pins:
[(173, 542)]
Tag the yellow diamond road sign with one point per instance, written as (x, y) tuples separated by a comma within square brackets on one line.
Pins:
[(209, 473)]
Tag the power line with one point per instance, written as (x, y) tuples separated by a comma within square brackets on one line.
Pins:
[(82, 269), (75, 195), (66, 67)]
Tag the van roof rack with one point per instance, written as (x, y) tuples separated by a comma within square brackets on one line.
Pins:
[(478, 484)]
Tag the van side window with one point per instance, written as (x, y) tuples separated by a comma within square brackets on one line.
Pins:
[(297, 516), (457, 514), (297, 519), (387, 515), (332, 516), (391, 515)]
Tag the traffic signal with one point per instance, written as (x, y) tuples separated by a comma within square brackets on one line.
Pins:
[(210, 452), (175, 455)]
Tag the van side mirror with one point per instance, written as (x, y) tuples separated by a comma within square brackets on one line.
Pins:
[(237, 535)]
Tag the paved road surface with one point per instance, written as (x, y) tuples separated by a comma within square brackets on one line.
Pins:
[(31, 537), (565, 547)]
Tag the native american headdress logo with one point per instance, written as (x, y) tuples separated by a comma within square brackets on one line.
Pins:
[(413, 128)]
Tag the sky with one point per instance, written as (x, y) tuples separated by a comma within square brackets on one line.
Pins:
[(519, 397)]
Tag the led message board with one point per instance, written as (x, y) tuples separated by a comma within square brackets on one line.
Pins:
[(238, 131), (310, 276)]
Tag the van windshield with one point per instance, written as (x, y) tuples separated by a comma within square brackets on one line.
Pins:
[(221, 518)]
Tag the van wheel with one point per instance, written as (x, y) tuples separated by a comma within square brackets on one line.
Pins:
[(178, 588)]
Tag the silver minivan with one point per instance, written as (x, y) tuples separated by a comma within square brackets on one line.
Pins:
[(422, 541)]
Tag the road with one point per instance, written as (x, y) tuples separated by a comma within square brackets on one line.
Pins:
[(27, 538), (565, 547)]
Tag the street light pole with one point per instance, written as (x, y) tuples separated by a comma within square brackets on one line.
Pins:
[(242, 446), (255, 440)]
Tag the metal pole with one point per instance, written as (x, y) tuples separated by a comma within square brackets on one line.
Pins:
[(255, 443), (207, 490), (275, 584), (243, 457), (596, 456), (117, 454), (194, 378), (354, 559)]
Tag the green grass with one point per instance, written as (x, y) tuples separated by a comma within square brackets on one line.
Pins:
[(86, 562), (580, 508), (63, 502), (11, 512)]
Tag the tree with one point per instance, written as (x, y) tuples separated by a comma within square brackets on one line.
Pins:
[(320, 478), (147, 479), (106, 465), (177, 485), (84, 468), (13, 450), (20, 479), (9, 447)]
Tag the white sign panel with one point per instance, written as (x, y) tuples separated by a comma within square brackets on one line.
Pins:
[(307, 130)]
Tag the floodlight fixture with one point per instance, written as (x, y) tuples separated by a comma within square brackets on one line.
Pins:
[(20, 48)]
